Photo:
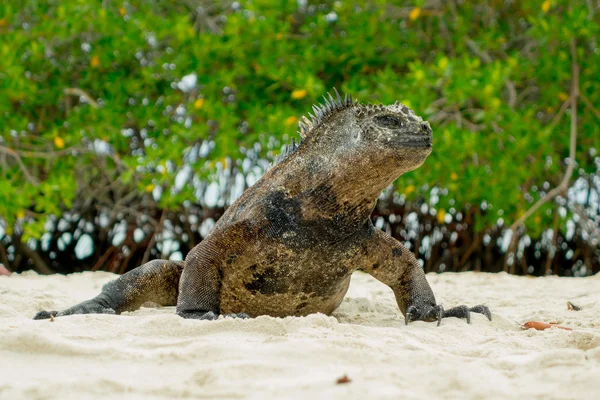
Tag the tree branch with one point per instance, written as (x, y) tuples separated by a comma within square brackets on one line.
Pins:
[(38, 263), (81, 93), (481, 54), (589, 105), (153, 239), (3, 256), (564, 184), (17, 157)]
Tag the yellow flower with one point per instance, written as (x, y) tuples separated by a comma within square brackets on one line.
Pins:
[(537, 219), (198, 104), (95, 62), (279, 36), (414, 13), (299, 93), (546, 6), (453, 176), (21, 214), (163, 167), (291, 120), (562, 96), (59, 142), (122, 11), (443, 63), (409, 189), (496, 102), (149, 188), (440, 216)]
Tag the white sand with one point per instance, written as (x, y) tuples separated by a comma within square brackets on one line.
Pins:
[(152, 353)]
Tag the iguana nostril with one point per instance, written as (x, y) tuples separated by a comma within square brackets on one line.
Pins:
[(425, 128)]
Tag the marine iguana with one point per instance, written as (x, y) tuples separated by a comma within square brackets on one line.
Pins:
[(289, 244)]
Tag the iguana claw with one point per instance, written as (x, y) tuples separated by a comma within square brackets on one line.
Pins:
[(209, 315), (45, 314), (93, 306), (237, 315), (437, 313), (440, 314), (481, 309)]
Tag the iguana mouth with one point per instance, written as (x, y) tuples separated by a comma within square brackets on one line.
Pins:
[(426, 143), (417, 141), (423, 139), (422, 144)]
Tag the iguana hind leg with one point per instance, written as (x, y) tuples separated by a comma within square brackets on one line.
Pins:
[(391, 263), (201, 282), (156, 281)]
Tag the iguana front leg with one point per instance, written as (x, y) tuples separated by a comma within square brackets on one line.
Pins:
[(388, 261)]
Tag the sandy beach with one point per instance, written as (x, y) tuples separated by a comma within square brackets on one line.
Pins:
[(153, 354)]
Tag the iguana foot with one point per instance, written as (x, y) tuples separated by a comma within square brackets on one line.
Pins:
[(437, 313), (87, 307), (209, 315), (45, 314)]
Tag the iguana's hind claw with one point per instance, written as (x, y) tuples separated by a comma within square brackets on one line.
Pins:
[(210, 315), (93, 306), (45, 314), (237, 315), (206, 315)]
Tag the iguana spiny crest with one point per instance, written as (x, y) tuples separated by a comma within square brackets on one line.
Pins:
[(367, 144)]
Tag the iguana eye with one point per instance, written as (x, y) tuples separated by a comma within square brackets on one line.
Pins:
[(389, 121)]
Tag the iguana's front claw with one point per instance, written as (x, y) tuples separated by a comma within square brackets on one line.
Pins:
[(481, 309), (465, 312), (440, 314), (432, 314), (409, 313), (459, 312), (437, 313)]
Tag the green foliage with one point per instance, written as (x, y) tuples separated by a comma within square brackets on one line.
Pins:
[(491, 81)]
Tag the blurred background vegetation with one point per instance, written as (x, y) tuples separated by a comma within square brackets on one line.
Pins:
[(127, 127)]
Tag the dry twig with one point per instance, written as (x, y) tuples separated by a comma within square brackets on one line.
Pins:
[(564, 184), (81, 93), (14, 154)]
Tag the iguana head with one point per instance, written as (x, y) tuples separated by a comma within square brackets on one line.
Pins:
[(390, 138), (396, 132)]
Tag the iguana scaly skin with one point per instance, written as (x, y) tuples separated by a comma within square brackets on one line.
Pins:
[(290, 243)]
